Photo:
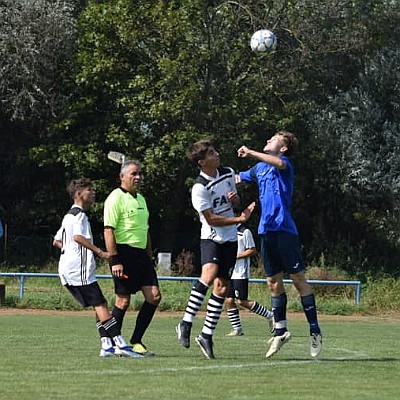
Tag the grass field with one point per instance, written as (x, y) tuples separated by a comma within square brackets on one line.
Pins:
[(55, 356)]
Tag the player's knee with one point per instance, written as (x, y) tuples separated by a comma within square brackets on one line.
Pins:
[(157, 299), (242, 303), (272, 285), (220, 291), (301, 284), (230, 303), (122, 302), (153, 298)]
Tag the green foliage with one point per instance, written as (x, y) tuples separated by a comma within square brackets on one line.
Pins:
[(356, 140), (383, 294), (36, 38), (81, 78)]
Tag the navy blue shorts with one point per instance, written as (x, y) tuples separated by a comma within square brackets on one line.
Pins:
[(222, 254), (280, 252), (238, 289), (138, 267), (87, 295)]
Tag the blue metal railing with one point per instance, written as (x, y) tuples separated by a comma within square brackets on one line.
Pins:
[(23, 275)]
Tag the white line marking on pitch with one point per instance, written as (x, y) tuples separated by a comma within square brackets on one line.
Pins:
[(219, 366), (127, 371)]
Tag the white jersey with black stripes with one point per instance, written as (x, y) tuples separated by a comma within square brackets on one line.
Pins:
[(211, 193)]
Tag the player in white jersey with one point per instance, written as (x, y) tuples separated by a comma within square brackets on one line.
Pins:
[(77, 267), (211, 193), (213, 197), (239, 285)]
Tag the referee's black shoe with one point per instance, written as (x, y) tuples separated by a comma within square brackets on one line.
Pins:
[(206, 346)]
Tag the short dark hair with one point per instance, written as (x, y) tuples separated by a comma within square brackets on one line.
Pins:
[(78, 184), (198, 150)]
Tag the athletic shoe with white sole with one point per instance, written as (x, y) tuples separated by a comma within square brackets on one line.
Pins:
[(316, 344), (183, 333), (206, 346), (141, 349), (127, 352), (107, 352), (235, 332), (276, 342)]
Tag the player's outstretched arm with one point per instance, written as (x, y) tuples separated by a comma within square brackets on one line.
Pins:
[(271, 159)]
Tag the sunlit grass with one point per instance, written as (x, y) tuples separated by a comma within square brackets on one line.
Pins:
[(56, 357)]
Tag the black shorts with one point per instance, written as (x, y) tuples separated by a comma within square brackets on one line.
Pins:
[(222, 254), (138, 267), (87, 295), (280, 252), (238, 289)]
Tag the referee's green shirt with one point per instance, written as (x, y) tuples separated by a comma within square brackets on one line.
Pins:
[(129, 217)]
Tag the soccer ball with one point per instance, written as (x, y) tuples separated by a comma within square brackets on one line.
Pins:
[(263, 40)]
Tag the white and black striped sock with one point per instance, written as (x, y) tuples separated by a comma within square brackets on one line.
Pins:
[(259, 309), (234, 318), (214, 310), (197, 294)]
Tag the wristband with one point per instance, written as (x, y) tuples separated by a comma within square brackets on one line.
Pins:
[(115, 259)]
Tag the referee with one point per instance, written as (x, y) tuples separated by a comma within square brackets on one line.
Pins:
[(126, 234)]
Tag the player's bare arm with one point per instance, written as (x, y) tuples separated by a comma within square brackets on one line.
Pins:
[(271, 159), (234, 198), (57, 243), (96, 250), (219, 220), (252, 251)]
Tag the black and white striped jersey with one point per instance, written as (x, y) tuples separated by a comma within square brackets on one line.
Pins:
[(77, 264), (211, 193)]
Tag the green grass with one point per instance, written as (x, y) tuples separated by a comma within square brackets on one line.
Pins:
[(48, 293), (56, 357)]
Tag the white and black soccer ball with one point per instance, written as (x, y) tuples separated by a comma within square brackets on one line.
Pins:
[(263, 41)]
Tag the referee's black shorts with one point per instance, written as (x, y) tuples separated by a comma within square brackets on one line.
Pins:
[(139, 269)]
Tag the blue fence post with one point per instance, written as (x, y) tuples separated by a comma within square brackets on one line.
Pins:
[(21, 286), (358, 293)]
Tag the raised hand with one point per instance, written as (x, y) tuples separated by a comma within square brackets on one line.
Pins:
[(246, 213), (243, 152)]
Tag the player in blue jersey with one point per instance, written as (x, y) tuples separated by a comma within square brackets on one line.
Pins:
[(213, 197), (280, 250)]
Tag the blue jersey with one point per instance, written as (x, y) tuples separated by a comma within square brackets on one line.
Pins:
[(275, 188)]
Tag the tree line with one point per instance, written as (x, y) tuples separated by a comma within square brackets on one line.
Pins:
[(147, 78)]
